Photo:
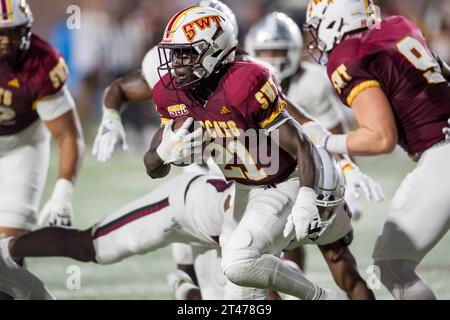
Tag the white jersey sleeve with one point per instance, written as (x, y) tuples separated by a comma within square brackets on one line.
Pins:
[(311, 90), (56, 105), (150, 66)]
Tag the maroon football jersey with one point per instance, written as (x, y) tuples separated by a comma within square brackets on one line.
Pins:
[(42, 72), (245, 103), (397, 59)]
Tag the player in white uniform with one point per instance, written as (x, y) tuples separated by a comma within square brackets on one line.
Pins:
[(34, 100), (170, 213), (277, 40)]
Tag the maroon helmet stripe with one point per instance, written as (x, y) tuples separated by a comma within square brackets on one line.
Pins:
[(130, 217), (4, 9)]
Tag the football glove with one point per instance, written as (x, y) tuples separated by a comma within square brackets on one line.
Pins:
[(446, 131), (110, 136), (58, 209), (178, 145), (356, 180), (304, 218)]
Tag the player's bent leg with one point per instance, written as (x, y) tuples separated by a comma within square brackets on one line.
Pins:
[(6, 233), (146, 225), (210, 277), (343, 267), (235, 292), (23, 172), (333, 244), (18, 282), (248, 255), (418, 218), (184, 259), (183, 281), (54, 242)]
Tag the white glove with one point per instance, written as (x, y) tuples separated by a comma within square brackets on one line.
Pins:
[(58, 209), (305, 218), (353, 204), (178, 145), (355, 179), (111, 135), (446, 131)]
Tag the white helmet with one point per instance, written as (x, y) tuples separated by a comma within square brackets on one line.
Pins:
[(276, 31), (329, 21), (222, 7), (15, 22), (203, 35)]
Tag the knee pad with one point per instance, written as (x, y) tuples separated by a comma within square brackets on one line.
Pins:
[(237, 248), (238, 273)]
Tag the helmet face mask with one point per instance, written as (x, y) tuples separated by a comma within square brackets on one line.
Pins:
[(278, 58), (182, 63), (276, 39), (317, 48), (197, 43), (14, 42), (15, 31), (329, 22)]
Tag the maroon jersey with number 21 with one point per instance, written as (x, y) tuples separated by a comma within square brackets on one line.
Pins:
[(246, 101)]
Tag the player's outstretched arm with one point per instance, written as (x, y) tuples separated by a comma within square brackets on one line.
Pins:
[(68, 135), (377, 132), (111, 134), (304, 219)]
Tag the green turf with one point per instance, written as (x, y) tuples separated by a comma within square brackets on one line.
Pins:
[(105, 187)]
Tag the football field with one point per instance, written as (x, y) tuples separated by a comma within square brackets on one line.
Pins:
[(103, 187)]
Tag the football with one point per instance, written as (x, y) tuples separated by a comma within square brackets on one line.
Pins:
[(178, 122)]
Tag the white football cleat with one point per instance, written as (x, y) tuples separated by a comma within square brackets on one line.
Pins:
[(18, 282)]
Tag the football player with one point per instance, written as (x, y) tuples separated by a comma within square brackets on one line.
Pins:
[(384, 71), (127, 89), (197, 77), (277, 39), (34, 100), (170, 213)]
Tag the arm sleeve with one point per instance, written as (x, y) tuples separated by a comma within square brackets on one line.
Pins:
[(54, 106), (354, 79)]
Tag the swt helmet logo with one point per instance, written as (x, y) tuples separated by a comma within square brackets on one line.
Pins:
[(202, 24)]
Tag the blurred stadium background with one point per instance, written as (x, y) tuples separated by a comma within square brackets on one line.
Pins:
[(112, 40)]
